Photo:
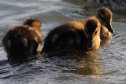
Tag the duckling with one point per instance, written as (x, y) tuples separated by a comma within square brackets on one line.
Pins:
[(21, 42), (105, 17), (77, 35)]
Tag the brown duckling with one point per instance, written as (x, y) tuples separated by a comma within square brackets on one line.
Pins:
[(78, 35), (21, 42), (105, 17)]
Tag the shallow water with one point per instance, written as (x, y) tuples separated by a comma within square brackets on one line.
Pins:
[(112, 58)]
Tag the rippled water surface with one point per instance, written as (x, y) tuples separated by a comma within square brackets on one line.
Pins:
[(110, 67)]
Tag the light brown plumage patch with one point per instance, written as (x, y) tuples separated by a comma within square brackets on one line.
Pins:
[(78, 24)]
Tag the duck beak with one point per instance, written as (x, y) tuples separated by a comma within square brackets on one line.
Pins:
[(110, 28)]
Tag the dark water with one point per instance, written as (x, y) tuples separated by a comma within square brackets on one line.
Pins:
[(108, 69)]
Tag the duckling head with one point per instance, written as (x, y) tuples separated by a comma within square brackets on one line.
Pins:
[(105, 16), (33, 22), (92, 32)]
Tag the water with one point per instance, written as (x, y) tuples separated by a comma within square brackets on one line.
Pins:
[(110, 66)]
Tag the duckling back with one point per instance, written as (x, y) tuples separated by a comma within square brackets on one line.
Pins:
[(63, 38)]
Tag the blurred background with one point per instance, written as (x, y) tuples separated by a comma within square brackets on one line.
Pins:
[(108, 69)]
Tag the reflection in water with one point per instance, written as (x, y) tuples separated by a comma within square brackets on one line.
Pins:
[(79, 63), (82, 63), (88, 65)]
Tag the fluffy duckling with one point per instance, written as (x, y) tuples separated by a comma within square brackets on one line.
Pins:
[(21, 42), (105, 17), (79, 35)]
